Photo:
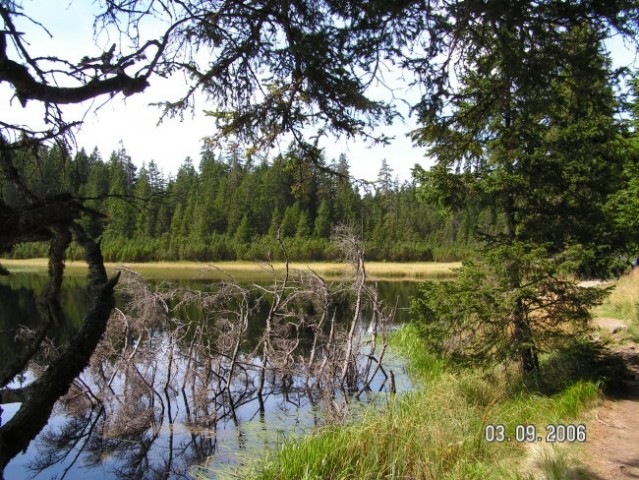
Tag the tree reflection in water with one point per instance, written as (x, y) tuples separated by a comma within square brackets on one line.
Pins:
[(178, 371)]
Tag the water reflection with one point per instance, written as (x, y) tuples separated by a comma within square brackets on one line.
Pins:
[(182, 377)]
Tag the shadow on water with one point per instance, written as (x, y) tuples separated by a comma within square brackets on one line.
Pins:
[(19, 294), (175, 383)]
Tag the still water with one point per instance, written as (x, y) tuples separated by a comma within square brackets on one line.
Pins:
[(167, 396)]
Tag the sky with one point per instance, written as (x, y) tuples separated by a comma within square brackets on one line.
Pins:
[(133, 122)]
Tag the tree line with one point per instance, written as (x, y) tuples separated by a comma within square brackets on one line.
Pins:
[(233, 207)]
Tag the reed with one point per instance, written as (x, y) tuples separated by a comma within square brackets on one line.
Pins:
[(253, 270)]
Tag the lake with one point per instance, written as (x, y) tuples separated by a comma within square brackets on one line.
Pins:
[(186, 375)]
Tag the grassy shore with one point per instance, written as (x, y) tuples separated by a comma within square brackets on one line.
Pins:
[(435, 432), (253, 270), (439, 430)]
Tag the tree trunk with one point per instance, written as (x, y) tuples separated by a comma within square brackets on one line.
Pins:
[(522, 336), (44, 392), (524, 343)]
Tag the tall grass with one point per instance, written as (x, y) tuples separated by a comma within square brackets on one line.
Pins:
[(436, 432)]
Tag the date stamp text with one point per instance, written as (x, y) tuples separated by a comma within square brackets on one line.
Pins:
[(498, 433)]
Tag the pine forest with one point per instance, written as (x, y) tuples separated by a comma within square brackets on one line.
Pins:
[(232, 207)]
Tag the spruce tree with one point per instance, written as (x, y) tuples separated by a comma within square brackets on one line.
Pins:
[(529, 129), (322, 227)]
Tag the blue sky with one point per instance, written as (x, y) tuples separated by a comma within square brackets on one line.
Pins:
[(134, 122)]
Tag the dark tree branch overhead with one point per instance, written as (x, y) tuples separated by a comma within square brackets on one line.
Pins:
[(267, 68), (299, 67), (28, 88)]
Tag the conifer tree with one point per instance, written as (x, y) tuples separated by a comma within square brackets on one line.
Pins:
[(243, 232), (276, 223), (119, 203), (530, 129), (323, 224), (303, 228)]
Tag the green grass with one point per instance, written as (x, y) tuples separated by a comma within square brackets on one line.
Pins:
[(435, 432)]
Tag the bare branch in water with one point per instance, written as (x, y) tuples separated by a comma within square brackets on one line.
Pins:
[(299, 339)]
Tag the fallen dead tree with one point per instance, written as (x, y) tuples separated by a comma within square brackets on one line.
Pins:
[(154, 346)]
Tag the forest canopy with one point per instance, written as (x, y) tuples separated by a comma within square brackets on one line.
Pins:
[(230, 207)]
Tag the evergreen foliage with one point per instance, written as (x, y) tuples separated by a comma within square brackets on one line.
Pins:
[(234, 208), (472, 320), (529, 131)]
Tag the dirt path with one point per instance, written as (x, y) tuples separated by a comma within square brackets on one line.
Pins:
[(612, 450)]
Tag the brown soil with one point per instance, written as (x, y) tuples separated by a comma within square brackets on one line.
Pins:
[(612, 449)]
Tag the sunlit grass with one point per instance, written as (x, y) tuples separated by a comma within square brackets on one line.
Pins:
[(623, 303), (252, 270), (555, 461)]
